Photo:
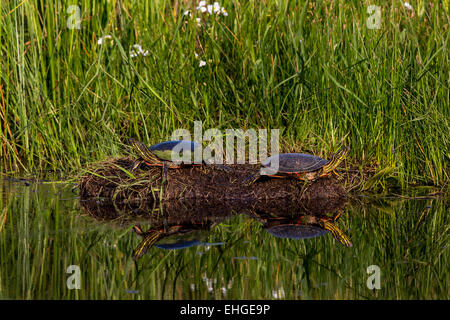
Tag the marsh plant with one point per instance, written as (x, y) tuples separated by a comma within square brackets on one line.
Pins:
[(76, 80)]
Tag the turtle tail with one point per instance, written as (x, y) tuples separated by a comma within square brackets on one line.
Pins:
[(149, 240), (338, 234), (143, 151), (336, 159)]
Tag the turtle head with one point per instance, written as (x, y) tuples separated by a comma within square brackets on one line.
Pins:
[(142, 150), (150, 238), (337, 233), (336, 159)]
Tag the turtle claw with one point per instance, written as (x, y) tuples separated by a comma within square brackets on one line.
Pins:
[(135, 165)]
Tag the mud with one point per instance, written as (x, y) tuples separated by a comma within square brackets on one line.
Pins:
[(110, 180)]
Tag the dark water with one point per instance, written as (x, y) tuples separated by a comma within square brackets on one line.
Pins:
[(54, 247)]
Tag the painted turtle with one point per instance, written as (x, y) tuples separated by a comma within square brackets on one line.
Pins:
[(162, 154), (307, 226), (300, 166)]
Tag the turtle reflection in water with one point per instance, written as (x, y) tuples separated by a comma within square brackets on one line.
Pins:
[(170, 238), (305, 227)]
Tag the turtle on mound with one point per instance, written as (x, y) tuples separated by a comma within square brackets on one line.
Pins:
[(301, 166), (163, 154)]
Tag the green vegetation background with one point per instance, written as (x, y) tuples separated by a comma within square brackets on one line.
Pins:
[(310, 68)]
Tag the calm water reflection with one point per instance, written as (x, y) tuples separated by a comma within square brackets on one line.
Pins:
[(219, 251)]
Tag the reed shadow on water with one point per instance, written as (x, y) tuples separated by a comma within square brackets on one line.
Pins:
[(224, 250)]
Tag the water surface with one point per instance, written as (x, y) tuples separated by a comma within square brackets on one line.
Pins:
[(44, 230)]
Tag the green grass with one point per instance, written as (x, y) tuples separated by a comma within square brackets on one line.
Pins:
[(312, 69)]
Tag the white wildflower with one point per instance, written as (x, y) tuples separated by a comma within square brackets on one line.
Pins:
[(278, 294), (201, 6), (408, 6), (223, 11), (216, 7), (209, 283), (138, 47), (202, 63), (138, 51), (100, 40)]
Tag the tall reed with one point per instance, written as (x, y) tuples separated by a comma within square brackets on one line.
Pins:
[(315, 70)]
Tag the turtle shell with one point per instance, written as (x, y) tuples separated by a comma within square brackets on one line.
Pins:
[(296, 231), (178, 245), (295, 162), (164, 149)]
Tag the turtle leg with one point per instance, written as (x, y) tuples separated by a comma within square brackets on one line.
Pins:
[(298, 176), (338, 175), (164, 171), (136, 164), (169, 165)]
